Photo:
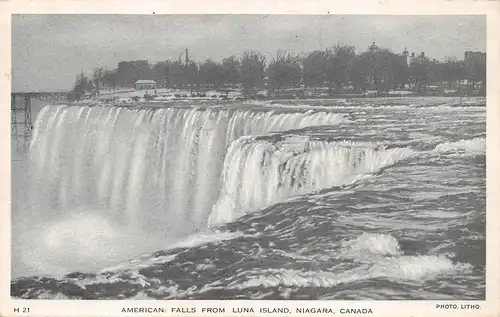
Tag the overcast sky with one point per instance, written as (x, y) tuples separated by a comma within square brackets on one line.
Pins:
[(49, 50)]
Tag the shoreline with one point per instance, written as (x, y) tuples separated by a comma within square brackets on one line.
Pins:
[(135, 97), (221, 97)]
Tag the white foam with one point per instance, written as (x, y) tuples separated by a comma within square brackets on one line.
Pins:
[(85, 241), (258, 173), (389, 260), (470, 146), (371, 244), (206, 238), (409, 269), (378, 256), (415, 268)]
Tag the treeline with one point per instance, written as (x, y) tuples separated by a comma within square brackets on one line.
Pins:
[(339, 69)]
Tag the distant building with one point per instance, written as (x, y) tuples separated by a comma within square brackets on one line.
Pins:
[(374, 48), (409, 59), (476, 61), (129, 73), (406, 57), (145, 84), (475, 56)]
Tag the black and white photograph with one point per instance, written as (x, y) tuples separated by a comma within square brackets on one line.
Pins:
[(248, 157)]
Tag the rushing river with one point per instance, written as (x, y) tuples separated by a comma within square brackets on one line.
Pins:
[(342, 199)]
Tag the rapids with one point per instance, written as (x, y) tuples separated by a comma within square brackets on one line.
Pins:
[(254, 200)]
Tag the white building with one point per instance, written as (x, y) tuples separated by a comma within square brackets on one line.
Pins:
[(145, 84)]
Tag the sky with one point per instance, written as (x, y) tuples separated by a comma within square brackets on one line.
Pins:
[(48, 51)]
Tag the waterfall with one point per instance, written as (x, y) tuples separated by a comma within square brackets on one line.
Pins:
[(146, 169), (259, 172), (105, 182)]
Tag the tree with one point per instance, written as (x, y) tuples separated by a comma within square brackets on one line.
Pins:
[(314, 65), (176, 74), (284, 71), (419, 73), (253, 65), (453, 71), (141, 70), (109, 79), (368, 69), (210, 74), (160, 72), (476, 69), (130, 72), (360, 72), (435, 72), (380, 69), (124, 74), (337, 66), (179, 74), (191, 74), (82, 85), (97, 77), (231, 70), (386, 68), (401, 71)]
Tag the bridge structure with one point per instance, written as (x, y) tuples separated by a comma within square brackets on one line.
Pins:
[(21, 115)]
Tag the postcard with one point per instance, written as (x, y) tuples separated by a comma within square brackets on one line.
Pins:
[(250, 159)]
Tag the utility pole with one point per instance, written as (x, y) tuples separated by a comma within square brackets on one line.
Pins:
[(167, 65), (189, 76)]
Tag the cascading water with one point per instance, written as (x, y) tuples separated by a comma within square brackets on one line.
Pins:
[(259, 172), (354, 199), (154, 171)]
